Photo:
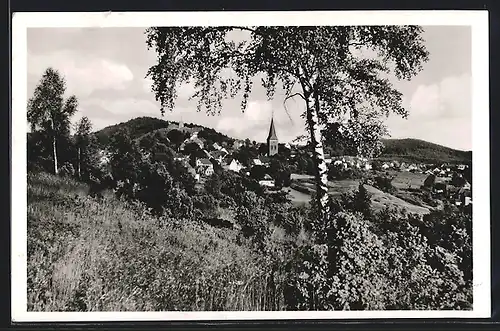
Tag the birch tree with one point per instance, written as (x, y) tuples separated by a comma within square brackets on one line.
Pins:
[(340, 72), (86, 153), (48, 111)]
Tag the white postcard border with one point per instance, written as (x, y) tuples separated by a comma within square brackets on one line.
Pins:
[(478, 20)]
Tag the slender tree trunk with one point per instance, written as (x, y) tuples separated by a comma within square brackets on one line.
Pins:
[(320, 166), (54, 148), (79, 163)]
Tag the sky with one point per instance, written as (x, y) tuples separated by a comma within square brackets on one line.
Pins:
[(105, 68)]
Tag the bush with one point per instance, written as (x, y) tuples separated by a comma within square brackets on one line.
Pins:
[(337, 172), (384, 183), (387, 263), (67, 170)]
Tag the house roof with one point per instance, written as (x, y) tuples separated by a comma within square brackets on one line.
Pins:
[(264, 159), (205, 161), (272, 131), (217, 154)]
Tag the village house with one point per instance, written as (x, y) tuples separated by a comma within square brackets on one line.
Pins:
[(412, 168), (261, 161), (192, 172), (204, 167), (267, 181), (218, 156), (233, 165), (328, 159), (181, 158), (194, 138), (237, 144), (265, 160), (386, 166), (467, 186), (216, 146), (257, 162)]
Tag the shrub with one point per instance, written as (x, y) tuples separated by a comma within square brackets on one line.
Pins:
[(67, 170), (338, 172), (384, 183)]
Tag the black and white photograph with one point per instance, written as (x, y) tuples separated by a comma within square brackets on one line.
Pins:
[(250, 165)]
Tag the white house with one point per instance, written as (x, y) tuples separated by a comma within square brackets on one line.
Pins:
[(235, 165), (412, 167), (385, 166), (467, 186), (204, 167), (267, 181), (216, 146), (257, 162), (193, 173)]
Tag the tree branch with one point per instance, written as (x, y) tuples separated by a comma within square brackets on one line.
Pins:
[(289, 97)]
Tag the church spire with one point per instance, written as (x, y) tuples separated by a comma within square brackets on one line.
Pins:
[(272, 140), (272, 131)]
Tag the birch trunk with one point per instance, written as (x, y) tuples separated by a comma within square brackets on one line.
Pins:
[(54, 148), (320, 166), (79, 163)]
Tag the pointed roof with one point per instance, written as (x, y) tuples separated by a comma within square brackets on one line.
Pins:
[(272, 131)]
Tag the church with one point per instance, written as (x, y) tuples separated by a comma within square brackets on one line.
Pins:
[(272, 140)]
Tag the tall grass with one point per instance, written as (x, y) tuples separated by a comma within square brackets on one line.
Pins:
[(89, 255)]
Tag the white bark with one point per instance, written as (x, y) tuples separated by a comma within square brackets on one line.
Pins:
[(318, 154), (54, 148), (79, 162), (321, 168)]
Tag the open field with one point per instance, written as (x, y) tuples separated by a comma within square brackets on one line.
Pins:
[(379, 199), (406, 179)]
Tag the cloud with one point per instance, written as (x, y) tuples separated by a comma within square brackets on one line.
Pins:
[(184, 91), (450, 98), (138, 107), (440, 112), (83, 74)]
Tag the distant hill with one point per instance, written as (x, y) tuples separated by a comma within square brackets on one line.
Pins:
[(415, 150), (141, 126), (137, 127)]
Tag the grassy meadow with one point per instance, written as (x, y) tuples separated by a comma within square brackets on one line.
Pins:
[(89, 255)]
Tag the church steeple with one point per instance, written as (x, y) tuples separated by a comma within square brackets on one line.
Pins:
[(181, 123), (272, 140)]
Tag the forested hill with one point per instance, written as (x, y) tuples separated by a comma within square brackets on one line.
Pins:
[(415, 150), (141, 126), (136, 127), (408, 150)]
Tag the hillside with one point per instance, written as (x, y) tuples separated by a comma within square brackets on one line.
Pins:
[(415, 150), (136, 127), (142, 126), (408, 150), (80, 248)]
